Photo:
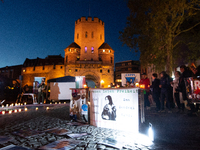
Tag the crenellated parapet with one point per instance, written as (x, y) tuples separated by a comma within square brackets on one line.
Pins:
[(89, 20)]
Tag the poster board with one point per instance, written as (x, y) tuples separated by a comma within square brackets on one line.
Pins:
[(121, 115), (193, 89), (78, 103), (61, 90), (131, 77)]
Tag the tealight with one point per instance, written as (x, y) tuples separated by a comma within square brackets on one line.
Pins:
[(2, 106), (36, 108), (25, 109), (10, 111), (6, 105), (20, 110), (59, 102), (64, 102), (25, 103), (50, 102), (47, 108), (55, 102), (15, 110), (3, 112)]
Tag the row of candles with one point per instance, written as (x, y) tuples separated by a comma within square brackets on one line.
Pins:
[(21, 104), (18, 110)]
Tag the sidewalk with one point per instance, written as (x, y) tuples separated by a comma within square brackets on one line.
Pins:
[(172, 131)]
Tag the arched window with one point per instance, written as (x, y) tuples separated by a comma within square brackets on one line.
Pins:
[(86, 34), (85, 49), (77, 35), (100, 36), (111, 60), (92, 50)]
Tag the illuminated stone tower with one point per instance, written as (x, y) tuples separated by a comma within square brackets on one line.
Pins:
[(89, 35), (89, 55)]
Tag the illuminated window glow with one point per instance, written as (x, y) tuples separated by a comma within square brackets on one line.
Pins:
[(85, 49), (92, 49)]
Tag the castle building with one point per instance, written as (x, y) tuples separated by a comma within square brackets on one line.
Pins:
[(87, 56)]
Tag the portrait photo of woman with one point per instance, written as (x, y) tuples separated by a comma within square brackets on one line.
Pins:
[(109, 110)]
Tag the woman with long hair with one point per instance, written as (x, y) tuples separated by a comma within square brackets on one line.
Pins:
[(109, 110)]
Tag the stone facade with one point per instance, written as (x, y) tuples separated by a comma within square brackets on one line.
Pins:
[(87, 56), (50, 67)]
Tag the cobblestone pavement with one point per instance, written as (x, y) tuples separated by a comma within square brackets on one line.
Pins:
[(172, 130)]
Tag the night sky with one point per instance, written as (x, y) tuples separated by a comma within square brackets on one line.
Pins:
[(37, 28)]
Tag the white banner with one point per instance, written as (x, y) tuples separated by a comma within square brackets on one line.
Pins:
[(131, 77), (61, 90), (115, 108)]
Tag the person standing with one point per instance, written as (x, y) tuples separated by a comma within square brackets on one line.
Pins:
[(146, 82), (165, 88), (156, 90), (174, 84), (41, 91)]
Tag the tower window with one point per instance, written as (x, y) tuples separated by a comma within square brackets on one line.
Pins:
[(92, 35), (69, 49), (85, 49), (101, 71), (75, 49), (69, 70), (77, 35), (66, 58), (78, 58), (92, 49), (100, 36), (43, 68), (86, 34), (103, 50), (108, 71), (76, 70), (111, 60), (109, 51)]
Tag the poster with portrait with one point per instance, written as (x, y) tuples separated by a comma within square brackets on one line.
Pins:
[(63, 144), (78, 104), (58, 131), (130, 77), (14, 147), (115, 108)]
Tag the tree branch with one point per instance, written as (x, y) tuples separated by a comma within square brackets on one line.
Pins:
[(187, 29)]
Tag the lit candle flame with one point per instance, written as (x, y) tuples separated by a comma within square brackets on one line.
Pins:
[(20, 110), (47, 108), (3, 112), (25, 109)]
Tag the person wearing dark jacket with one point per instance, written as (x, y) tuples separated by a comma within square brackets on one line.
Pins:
[(165, 88), (185, 73), (156, 90)]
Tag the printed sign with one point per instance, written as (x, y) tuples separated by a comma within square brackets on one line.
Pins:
[(193, 89), (131, 77), (115, 108), (78, 104)]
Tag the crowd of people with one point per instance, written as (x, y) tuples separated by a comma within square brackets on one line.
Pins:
[(168, 93)]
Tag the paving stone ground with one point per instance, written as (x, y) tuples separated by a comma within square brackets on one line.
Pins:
[(172, 130)]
